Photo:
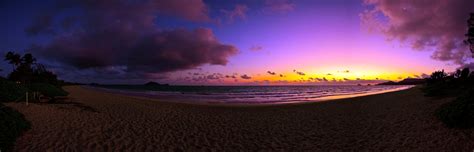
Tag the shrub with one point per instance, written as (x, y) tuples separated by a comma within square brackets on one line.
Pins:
[(12, 125), (11, 91), (458, 113), (48, 89)]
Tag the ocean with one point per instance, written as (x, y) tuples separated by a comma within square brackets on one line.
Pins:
[(249, 94)]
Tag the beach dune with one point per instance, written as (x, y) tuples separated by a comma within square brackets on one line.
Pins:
[(95, 120)]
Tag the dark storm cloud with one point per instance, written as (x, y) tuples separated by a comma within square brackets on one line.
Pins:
[(437, 25), (115, 74), (158, 52), (245, 77), (271, 73), (101, 12), (123, 33)]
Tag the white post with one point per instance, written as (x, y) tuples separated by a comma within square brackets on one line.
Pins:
[(26, 98)]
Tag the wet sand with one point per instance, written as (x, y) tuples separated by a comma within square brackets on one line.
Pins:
[(99, 121)]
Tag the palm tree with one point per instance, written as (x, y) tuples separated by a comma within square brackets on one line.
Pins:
[(13, 58), (28, 59)]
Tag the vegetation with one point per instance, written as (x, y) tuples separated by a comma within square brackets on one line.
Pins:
[(470, 33), (460, 84), (47, 89), (26, 70), (11, 91), (12, 125), (458, 113), (27, 75)]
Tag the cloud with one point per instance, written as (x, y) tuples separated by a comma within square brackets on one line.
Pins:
[(467, 65), (113, 74), (239, 12), (110, 11), (256, 48), (271, 73), (437, 25), (299, 72), (106, 36), (324, 79), (245, 77), (281, 75), (278, 6), (214, 76)]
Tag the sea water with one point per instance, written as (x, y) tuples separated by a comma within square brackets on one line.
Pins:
[(256, 94)]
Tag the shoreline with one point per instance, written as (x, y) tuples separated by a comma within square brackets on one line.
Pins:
[(98, 121), (146, 96)]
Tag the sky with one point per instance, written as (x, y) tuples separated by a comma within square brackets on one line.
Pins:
[(238, 42)]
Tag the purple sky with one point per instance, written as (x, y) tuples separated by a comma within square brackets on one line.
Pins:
[(237, 41)]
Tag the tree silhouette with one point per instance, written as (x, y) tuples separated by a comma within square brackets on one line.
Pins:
[(28, 59), (26, 70), (42, 75), (438, 75), (13, 58), (470, 34)]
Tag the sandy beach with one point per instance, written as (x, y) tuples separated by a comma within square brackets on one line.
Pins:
[(99, 121)]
